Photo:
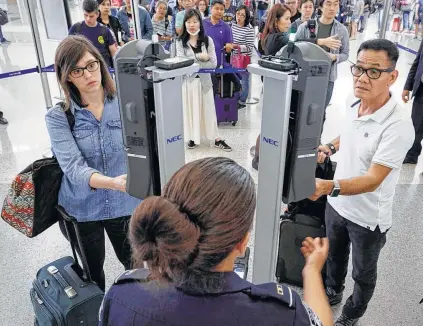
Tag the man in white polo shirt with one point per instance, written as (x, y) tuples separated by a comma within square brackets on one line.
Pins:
[(375, 137)]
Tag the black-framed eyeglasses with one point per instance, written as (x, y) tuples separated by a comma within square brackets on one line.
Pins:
[(91, 67), (372, 73)]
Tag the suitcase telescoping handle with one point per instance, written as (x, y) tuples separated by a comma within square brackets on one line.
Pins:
[(70, 219)]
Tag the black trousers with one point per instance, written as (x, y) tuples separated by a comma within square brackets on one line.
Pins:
[(417, 120), (93, 241), (366, 247)]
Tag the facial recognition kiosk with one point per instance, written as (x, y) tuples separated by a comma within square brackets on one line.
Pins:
[(290, 135), (149, 86)]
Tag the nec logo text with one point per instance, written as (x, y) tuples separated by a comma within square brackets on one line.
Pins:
[(270, 141), (174, 139)]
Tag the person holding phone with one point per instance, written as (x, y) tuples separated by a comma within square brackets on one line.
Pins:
[(189, 238), (110, 21), (161, 24)]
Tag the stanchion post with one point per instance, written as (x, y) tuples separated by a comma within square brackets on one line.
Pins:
[(386, 12), (251, 100), (39, 52), (136, 19)]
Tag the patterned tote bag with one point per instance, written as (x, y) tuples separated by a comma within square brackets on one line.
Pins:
[(30, 204)]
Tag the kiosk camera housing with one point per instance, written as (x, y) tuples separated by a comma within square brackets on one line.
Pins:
[(136, 99), (307, 109)]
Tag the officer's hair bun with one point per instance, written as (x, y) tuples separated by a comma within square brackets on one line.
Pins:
[(163, 235), (206, 209)]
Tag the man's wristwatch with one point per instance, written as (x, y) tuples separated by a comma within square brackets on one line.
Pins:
[(336, 189), (332, 148)]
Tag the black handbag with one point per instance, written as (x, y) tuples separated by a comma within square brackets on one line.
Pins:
[(30, 204)]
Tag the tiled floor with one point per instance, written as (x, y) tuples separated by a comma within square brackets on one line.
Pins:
[(400, 281)]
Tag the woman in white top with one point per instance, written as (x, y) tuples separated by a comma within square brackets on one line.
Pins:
[(244, 41), (198, 100)]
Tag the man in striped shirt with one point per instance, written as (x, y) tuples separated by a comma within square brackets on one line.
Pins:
[(243, 42)]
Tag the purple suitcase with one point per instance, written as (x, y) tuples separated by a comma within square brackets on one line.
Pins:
[(226, 107)]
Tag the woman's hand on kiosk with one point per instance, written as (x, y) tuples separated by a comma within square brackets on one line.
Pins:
[(315, 252), (120, 183)]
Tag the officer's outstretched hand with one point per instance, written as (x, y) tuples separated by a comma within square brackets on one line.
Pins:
[(315, 252)]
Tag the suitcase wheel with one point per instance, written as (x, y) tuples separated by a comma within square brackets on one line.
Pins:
[(234, 123)]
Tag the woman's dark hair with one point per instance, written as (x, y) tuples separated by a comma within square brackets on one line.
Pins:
[(206, 12), (381, 45), (185, 36), (205, 210), (305, 1), (275, 13), (68, 53), (102, 1), (247, 12)]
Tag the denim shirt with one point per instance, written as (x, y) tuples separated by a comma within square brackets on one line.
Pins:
[(92, 147), (146, 26)]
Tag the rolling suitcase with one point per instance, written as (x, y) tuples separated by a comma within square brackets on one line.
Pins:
[(226, 100), (63, 292), (303, 219)]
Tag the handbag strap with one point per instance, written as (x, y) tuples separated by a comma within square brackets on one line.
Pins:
[(69, 115)]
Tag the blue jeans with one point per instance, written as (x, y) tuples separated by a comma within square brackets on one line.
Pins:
[(245, 78), (406, 19), (261, 13)]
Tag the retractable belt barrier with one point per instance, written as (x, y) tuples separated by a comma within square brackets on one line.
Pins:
[(201, 71), (400, 46), (111, 70)]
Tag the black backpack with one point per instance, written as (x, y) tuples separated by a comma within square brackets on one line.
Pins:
[(312, 26)]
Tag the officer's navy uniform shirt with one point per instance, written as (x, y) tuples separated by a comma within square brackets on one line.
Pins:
[(135, 301)]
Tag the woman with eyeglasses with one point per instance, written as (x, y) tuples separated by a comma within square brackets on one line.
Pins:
[(203, 7), (243, 42), (110, 21), (91, 153)]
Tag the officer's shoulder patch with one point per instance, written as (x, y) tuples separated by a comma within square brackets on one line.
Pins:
[(133, 275), (276, 291)]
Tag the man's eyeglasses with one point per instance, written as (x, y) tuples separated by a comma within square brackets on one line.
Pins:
[(372, 73), (91, 67)]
